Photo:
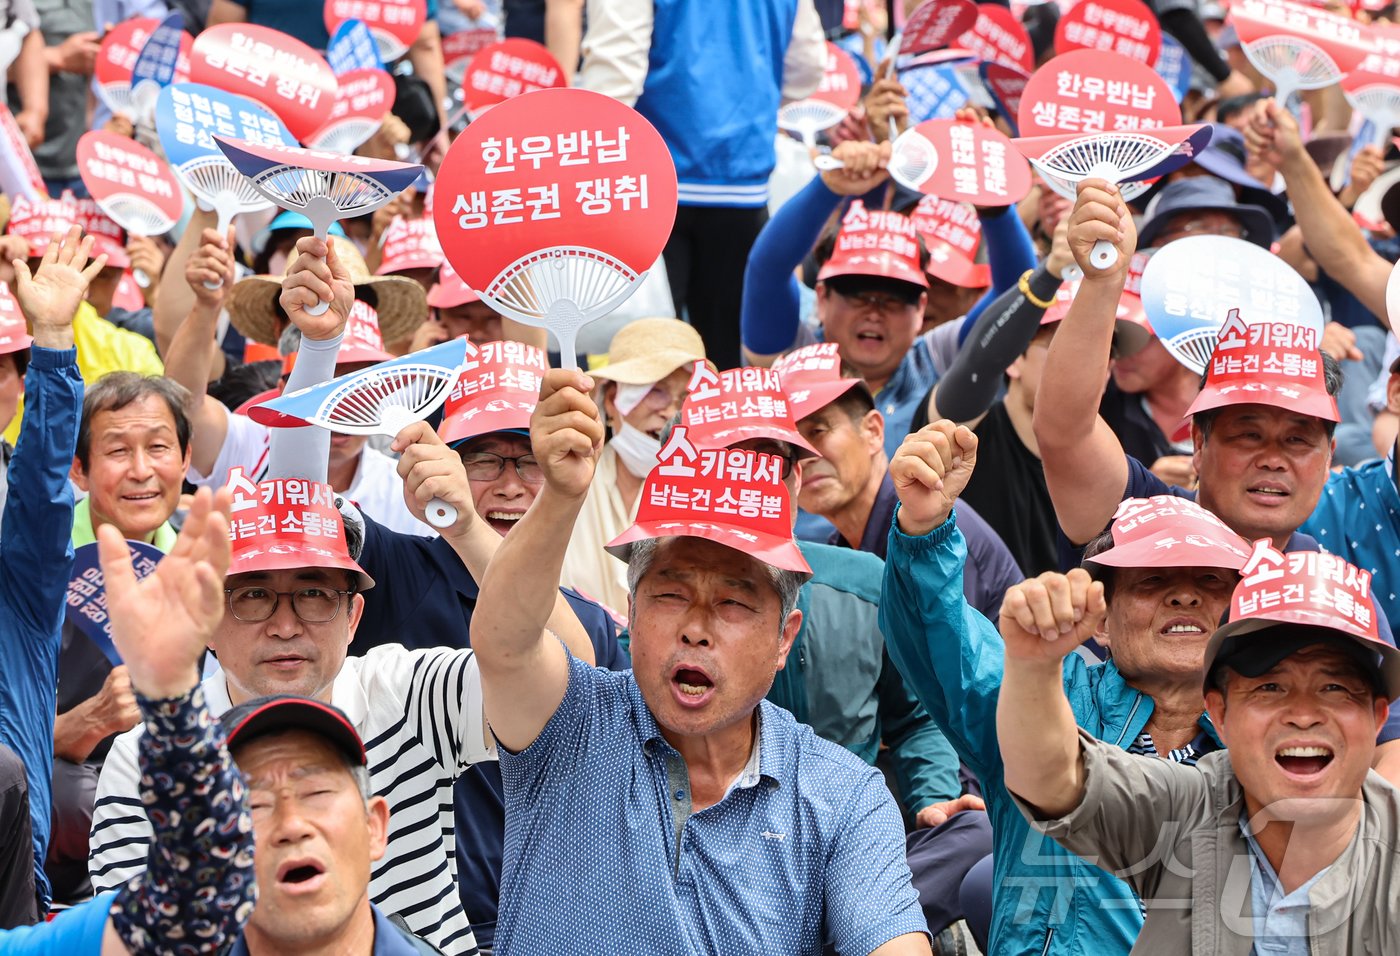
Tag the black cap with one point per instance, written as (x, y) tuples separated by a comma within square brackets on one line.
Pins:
[(268, 715), (1255, 653)]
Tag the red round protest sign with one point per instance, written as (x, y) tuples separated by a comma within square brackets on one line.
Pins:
[(1343, 40), (1087, 91), (998, 37), (964, 161), (936, 23), (361, 103), (280, 72), (507, 69), (459, 48), (1007, 84), (547, 190), (395, 24), (117, 55), (1118, 26), (131, 183), (840, 85)]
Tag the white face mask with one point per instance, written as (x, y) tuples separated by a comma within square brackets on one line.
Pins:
[(638, 450)]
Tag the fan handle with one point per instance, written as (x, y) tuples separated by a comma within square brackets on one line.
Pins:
[(1103, 255), (226, 205)]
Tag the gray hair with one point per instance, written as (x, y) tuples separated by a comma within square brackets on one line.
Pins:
[(360, 774), (643, 554)]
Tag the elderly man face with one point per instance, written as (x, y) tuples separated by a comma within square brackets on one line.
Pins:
[(1301, 735), (708, 633), (1159, 619), (316, 835), (135, 466), (300, 646)]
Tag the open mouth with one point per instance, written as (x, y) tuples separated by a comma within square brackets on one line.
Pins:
[(692, 683), (1183, 629), (1304, 761), (298, 873), (1270, 491)]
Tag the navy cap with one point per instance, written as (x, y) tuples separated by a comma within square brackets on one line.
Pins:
[(268, 715)]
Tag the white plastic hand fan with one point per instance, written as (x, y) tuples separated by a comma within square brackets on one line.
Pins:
[(1379, 103), (379, 400), (1116, 157), (809, 117), (346, 136), (912, 159), (324, 187), (1293, 63)]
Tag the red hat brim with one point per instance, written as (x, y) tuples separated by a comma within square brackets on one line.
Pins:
[(772, 550), (1304, 401), (275, 553)]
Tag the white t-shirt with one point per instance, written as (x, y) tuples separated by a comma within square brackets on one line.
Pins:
[(377, 489), (419, 714)]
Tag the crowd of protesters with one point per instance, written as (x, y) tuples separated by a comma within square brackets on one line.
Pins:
[(918, 602)]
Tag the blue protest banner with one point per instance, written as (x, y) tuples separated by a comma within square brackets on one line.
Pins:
[(87, 593), (353, 48)]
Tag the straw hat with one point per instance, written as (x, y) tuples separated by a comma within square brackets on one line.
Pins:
[(648, 350), (401, 303)]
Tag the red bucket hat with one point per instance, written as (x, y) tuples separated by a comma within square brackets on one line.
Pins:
[(1267, 363), (876, 243), (409, 244), (731, 496), (1287, 601), (951, 232), (14, 334), (1165, 531), (811, 377), (450, 291), (287, 523), (722, 409), (496, 392)]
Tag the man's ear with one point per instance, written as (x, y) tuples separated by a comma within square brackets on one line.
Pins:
[(872, 427), (1382, 707), (77, 475), (354, 612), (791, 626), (378, 820), (1215, 707)]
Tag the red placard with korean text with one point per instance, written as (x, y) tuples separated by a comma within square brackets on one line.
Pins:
[(459, 48), (280, 72), (948, 221), (733, 496), (362, 101), (971, 163), (1343, 39), (1007, 84), (738, 404), (1269, 363), (998, 37), (38, 219), (1381, 67), (552, 168), (120, 47), (507, 69), (1305, 587), (131, 182), (1087, 91), (394, 23), (936, 23), (19, 176), (1120, 26), (840, 83)]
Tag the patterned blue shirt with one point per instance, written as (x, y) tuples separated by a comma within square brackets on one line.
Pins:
[(809, 850)]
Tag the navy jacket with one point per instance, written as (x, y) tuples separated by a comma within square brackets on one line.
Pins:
[(424, 597)]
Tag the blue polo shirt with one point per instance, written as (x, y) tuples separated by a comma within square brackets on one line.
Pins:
[(389, 940), (424, 597), (602, 857)]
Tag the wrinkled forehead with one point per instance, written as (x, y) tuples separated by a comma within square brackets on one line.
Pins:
[(505, 444), (696, 561)]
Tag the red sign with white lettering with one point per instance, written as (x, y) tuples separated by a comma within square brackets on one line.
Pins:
[(970, 162), (1307, 587), (507, 69), (280, 72), (117, 55), (364, 98), (395, 24), (131, 183), (1266, 363), (1087, 91), (19, 176), (550, 169), (1119, 26), (936, 23), (722, 409), (840, 84), (998, 37), (459, 48), (1344, 40)]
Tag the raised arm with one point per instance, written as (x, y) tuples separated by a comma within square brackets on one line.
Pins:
[(430, 469), (191, 352), (1332, 237), (198, 883), (1085, 468), (524, 672), (1042, 620)]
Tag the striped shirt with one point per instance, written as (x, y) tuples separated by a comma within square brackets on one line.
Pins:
[(419, 714)]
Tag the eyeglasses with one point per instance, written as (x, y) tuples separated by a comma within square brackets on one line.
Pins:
[(484, 466), (780, 449), (876, 301), (312, 605), (1205, 227)]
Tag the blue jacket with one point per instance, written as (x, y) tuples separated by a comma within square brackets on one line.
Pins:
[(1046, 901), (1358, 518), (424, 597), (714, 84), (840, 680), (36, 561)]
